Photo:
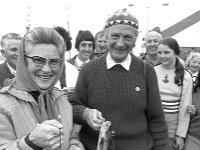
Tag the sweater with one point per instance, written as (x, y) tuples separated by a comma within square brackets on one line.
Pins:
[(134, 110), (175, 100), (170, 96)]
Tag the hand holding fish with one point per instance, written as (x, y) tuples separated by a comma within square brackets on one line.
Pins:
[(94, 118)]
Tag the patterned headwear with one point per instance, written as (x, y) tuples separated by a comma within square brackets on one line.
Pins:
[(122, 17)]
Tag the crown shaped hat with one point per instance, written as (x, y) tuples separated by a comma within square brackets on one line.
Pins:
[(122, 17)]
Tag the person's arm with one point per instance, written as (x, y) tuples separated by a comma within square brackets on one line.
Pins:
[(79, 98), (184, 116), (186, 100), (155, 115), (8, 138), (45, 135), (81, 112)]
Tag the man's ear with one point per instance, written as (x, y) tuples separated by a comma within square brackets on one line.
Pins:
[(3, 52)]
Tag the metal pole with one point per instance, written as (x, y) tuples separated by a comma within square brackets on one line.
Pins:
[(147, 21)]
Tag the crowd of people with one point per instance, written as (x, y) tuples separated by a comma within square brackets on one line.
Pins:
[(50, 103)]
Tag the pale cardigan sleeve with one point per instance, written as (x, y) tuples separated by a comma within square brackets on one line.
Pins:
[(186, 100)]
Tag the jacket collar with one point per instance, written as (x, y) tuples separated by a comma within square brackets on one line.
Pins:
[(24, 95)]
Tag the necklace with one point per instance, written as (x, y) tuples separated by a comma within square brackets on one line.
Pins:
[(165, 80)]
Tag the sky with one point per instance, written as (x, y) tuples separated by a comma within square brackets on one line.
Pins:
[(91, 15)]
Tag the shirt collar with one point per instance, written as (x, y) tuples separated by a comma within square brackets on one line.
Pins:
[(193, 74), (11, 69), (79, 63), (125, 64)]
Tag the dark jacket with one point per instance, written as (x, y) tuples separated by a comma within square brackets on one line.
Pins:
[(72, 60), (4, 74)]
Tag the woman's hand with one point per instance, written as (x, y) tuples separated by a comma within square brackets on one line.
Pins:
[(48, 135), (94, 118), (179, 141), (191, 110)]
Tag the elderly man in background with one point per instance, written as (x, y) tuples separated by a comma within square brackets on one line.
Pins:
[(151, 41), (100, 44), (10, 44)]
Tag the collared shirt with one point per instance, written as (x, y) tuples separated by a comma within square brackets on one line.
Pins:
[(71, 75), (79, 63), (194, 76), (11, 69), (144, 57), (125, 64)]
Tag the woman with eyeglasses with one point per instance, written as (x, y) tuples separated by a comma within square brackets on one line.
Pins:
[(34, 114)]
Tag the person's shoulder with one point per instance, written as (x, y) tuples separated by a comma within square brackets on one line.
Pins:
[(6, 99), (60, 94), (157, 67), (98, 63), (3, 65), (72, 60), (142, 56), (70, 67), (187, 75)]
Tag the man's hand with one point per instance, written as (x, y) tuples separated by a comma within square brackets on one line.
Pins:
[(94, 118)]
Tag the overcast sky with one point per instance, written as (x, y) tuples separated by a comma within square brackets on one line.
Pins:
[(92, 14)]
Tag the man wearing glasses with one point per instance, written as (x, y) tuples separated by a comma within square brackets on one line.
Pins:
[(10, 44)]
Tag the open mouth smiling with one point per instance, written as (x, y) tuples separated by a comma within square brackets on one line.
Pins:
[(45, 77)]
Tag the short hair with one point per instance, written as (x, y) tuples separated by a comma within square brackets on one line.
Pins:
[(66, 36), (9, 36), (152, 32), (84, 36), (43, 35), (102, 33)]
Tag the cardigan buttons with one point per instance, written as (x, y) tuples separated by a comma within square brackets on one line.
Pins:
[(137, 89)]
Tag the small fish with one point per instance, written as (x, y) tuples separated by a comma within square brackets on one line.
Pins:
[(106, 134)]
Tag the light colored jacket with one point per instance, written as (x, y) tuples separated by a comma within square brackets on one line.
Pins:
[(186, 100), (18, 112)]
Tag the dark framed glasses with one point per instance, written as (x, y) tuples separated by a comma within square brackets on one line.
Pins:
[(40, 61)]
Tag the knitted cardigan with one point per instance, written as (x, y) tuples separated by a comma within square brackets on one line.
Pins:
[(122, 96)]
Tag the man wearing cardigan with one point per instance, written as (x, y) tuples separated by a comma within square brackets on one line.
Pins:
[(121, 88)]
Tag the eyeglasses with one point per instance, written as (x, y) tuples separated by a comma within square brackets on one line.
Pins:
[(40, 61)]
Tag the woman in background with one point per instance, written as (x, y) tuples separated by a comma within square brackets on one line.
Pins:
[(192, 141), (175, 86), (193, 64)]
